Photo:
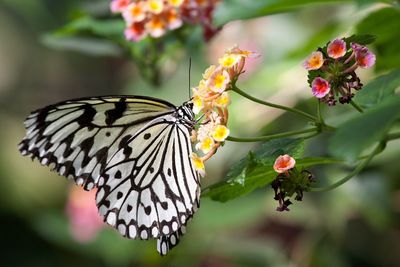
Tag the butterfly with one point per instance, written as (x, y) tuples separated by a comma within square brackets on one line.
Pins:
[(135, 150)]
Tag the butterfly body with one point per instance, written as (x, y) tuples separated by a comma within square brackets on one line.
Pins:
[(135, 150)]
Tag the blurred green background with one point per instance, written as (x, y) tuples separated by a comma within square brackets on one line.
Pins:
[(357, 224)]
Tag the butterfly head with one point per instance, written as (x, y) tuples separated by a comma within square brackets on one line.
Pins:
[(185, 113)]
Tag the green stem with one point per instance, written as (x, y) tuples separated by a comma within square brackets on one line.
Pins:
[(357, 107), (271, 136), (356, 171), (265, 103), (319, 112), (392, 136)]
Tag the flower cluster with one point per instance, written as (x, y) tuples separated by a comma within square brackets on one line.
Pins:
[(289, 181), (332, 70), (211, 98), (156, 17)]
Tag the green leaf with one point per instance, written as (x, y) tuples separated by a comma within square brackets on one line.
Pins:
[(362, 39), (384, 24), (110, 28), (379, 89), (261, 177), (91, 46), (360, 132), (230, 10), (254, 171)]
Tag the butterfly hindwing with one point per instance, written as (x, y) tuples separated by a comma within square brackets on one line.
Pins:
[(149, 188), (77, 137)]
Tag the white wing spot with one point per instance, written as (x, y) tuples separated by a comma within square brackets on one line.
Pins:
[(102, 210), (165, 229), (183, 229), (174, 226), (163, 248), (62, 170), (132, 231), (101, 181), (143, 235), (154, 232), (79, 181), (172, 239), (122, 229), (111, 218), (100, 195), (44, 161), (90, 186)]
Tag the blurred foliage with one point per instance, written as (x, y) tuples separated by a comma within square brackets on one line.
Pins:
[(382, 24), (355, 225), (379, 89), (351, 139)]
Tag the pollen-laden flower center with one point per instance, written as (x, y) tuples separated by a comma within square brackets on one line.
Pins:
[(332, 70), (211, 98)]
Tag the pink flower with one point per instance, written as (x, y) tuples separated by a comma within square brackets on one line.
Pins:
[(356, 47), (135, 32), (314, 61), (320, 87), (365, 58), (156, 26), (83, 216), (337, 48), (173, 19), (284, 163), (117, 6), (135, 12)]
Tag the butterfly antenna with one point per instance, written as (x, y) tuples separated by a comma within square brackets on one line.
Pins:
[(190, 67)]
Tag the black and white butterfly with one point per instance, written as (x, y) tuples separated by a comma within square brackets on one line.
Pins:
[(135, 150)]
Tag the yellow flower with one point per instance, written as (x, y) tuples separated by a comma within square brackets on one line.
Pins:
[(244, 53), (176, 3), (229, 60), (208, 72), (220, 133), (218, 80), (314, 61), (205, 145), (223, 100), (198, 104), (198, 164), (155, 6), (202, 90)]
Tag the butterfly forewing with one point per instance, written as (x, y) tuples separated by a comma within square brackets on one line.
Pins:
[(136, 150), (78, 137)]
